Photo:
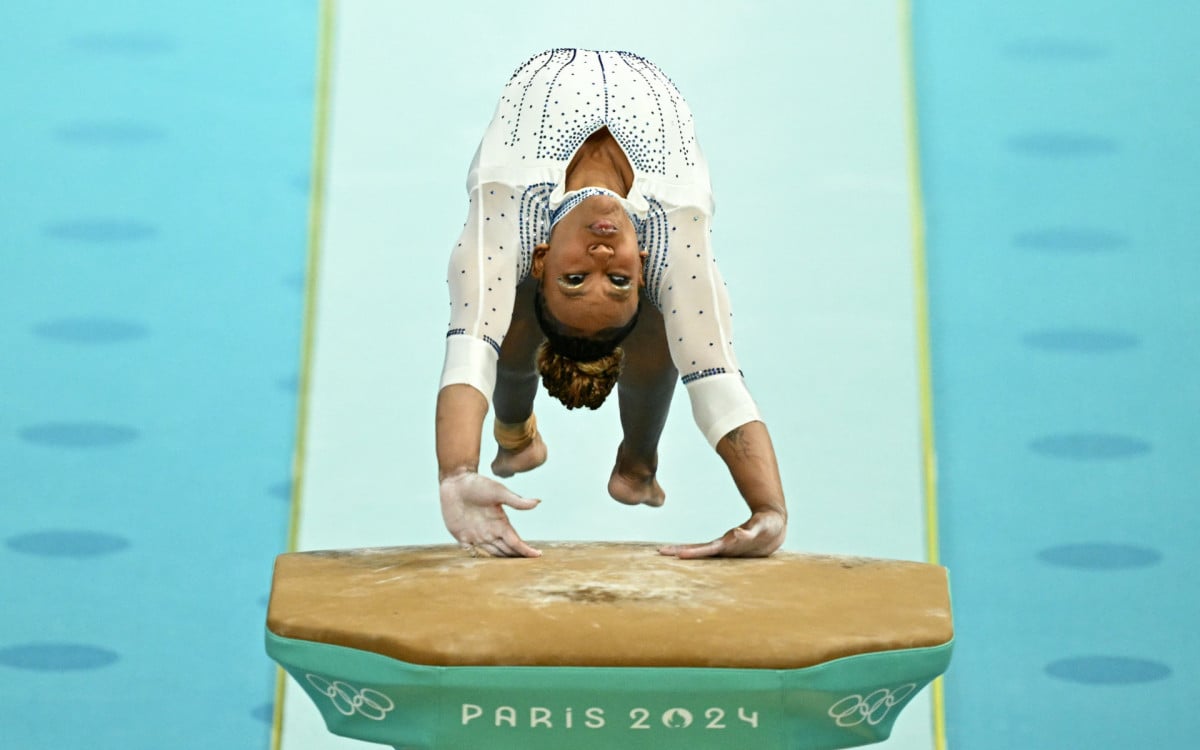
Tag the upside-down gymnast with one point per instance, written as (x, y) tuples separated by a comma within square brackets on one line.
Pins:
[(586, 259)]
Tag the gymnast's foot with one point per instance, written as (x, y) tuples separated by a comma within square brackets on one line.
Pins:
[(634, 482), (509, 462)]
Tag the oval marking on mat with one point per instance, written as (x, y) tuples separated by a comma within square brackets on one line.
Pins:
[(1081, 340), (1088, 446), (90, 330), (294, 281), (290, 384), (125, 43), (1050, 49), (100, 230), (1062, 145), (1070, 240), (281, 490), (56, 657), (78, 434), (109, 134), (67, 543), (1100, 556), (264, 713), (1108, 670)]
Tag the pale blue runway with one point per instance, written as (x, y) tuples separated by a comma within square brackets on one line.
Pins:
[(814, 232)]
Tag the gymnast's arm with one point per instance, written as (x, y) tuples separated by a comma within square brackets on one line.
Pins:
[(750, 456), (698, 319), (482, 276), (460, 413)]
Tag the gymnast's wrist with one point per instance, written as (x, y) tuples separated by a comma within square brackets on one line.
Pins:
[(768, 506), (456, 472)]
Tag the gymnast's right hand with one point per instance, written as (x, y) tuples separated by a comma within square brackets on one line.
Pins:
[(473, 509)]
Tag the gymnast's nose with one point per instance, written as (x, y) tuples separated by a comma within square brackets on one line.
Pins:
[(602, 253)]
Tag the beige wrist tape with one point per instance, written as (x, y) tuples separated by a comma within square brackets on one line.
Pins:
[(514, 437)]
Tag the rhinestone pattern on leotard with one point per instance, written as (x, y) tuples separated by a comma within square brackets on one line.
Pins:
[(551, 105), (557, 99)]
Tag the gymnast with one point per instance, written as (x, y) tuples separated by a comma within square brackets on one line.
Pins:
[(586, 258)]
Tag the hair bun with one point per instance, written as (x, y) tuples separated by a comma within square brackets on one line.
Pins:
[(577, 384)]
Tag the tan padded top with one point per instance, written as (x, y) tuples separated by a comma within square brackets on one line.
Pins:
[(593, 604)]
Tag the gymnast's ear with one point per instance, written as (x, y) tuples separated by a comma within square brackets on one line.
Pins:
[(539, 260)]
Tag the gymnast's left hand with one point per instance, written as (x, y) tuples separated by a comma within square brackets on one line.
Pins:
[(758, 537), (473, 509)]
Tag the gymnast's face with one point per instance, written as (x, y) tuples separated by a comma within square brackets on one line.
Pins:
[(591, 270)]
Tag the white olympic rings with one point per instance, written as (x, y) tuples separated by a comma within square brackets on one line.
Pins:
[(349, 700), (873, 709)]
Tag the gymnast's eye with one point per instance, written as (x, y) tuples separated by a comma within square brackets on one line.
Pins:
[(621, 282), (573, 279)]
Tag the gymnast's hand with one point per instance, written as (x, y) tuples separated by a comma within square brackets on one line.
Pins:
[(472, 507), (758, 537)]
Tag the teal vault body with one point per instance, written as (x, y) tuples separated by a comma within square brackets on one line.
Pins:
[(600, 646)]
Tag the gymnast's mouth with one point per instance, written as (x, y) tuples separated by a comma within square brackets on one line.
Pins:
[(603, 227)]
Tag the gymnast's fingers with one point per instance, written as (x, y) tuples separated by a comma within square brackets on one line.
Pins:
[(692, 551), (758, 537), (513, 500), (499, 495), (501, 547), (490, 549), (504, 546), (517, 546)]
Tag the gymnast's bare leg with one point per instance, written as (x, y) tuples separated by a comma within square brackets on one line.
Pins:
[(644, 393), (516, 386)]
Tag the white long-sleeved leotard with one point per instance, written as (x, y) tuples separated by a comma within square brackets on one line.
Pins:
[(549, 107)]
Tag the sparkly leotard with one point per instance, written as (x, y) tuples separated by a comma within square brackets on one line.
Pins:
[(550, 106)]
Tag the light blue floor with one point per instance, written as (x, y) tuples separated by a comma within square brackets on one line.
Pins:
[(153, 189), (1061, 147)]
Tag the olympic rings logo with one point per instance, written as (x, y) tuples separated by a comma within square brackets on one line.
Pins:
[(349, 700), (873, 709)]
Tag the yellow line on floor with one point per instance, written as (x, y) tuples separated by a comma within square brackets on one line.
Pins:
[(924, 355), (316, 215)]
